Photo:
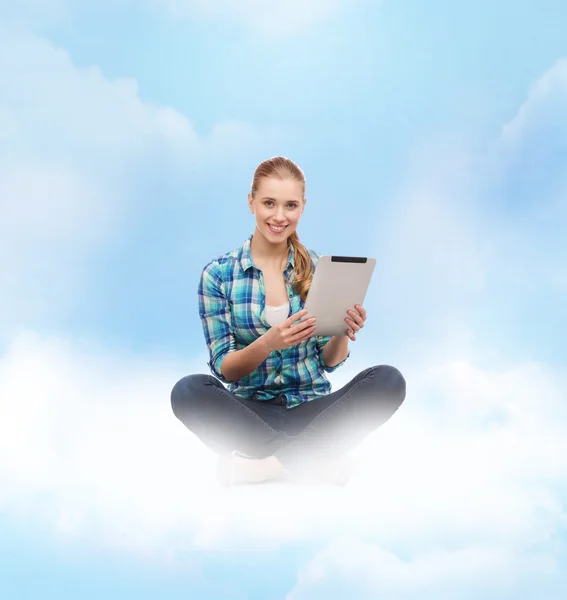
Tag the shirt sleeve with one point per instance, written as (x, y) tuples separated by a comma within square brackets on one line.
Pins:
[(214, 311), (321, 343)]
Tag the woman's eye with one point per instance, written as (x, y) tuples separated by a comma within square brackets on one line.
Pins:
[(269, 203)]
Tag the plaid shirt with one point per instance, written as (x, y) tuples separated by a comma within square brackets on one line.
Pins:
[(232, 303)]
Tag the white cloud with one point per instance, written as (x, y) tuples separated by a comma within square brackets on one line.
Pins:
[(474, 236), (529, 171), (73, 146), (92, 434), (369, 571), (468, 494), (271, 19), (71, 135), (543, 108)]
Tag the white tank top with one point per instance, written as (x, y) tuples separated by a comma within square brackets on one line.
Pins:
[(277, 314)]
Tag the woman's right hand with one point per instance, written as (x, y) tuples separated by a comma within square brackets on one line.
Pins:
[(288, 334)]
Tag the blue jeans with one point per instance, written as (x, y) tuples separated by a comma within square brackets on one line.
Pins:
[(324, 428)]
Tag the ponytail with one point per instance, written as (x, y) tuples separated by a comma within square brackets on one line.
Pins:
[(303, 269)]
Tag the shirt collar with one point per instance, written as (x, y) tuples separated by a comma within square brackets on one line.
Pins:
[(245, 257)]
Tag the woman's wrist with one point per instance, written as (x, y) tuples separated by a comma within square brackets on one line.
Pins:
[(335, 350), (265, 342), (241, 363)]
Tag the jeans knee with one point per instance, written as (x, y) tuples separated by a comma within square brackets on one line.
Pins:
[(391, 379), (185, 390)]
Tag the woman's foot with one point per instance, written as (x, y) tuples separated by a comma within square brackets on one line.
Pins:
[(237, 469)]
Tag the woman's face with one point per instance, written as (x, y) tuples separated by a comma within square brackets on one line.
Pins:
[(277, 205)]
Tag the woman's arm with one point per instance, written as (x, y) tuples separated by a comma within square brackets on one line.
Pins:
[(240, 363), (293, 330), (335, 350), (214, 311), (227, 363)]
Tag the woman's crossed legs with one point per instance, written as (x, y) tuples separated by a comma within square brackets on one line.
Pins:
[(302, 442)]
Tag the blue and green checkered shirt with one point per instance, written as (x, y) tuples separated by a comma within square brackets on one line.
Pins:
[(232, 304)]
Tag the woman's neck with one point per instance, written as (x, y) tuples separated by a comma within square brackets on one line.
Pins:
[(266, 254)]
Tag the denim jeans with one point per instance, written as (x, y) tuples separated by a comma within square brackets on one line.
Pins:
[(322, 429)]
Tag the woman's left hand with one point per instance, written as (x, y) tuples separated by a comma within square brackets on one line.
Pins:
[(355, 321)]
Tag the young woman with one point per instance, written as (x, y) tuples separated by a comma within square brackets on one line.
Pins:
[(267, 409)]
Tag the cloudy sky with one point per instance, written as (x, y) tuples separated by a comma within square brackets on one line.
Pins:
[(433, 137)]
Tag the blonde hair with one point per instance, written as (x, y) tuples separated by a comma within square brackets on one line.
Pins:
[(284, 168)]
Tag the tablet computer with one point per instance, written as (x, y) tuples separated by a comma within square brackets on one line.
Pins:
[(339, 282)]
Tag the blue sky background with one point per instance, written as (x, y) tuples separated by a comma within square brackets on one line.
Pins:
[(433, 136)]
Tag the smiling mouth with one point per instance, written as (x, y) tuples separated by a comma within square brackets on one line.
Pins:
[(276, 229)]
